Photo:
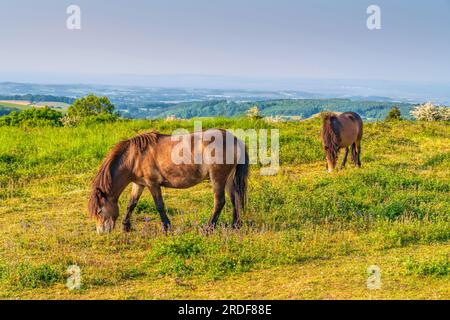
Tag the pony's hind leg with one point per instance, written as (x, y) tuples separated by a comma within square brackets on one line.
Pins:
[(136, 193), (219, 203), (231, 191), (354, 154), (358, 146), (155, 190), (344, 160)]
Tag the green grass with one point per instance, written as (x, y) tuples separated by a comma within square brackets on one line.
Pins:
[(28, 276), (440, 267), (312, 233)]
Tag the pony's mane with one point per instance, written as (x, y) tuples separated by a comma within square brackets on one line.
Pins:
[(330, 135), (104, 178)]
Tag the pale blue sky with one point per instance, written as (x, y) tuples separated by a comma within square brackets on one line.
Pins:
[(249, 38)]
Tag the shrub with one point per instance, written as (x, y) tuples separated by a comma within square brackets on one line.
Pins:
[(34, 117), (394, 114), (429, 112), (254, 113), (90, 105), (90, 110)]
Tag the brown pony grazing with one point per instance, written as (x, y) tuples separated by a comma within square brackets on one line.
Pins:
[(152, 160), (341, 131)]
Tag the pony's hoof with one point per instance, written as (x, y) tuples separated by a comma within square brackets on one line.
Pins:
[(237, 225), (166, 227), (126, 227), (209, 228)]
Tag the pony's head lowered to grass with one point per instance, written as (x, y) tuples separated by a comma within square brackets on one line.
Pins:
[(103, 202), (342, 130), (330, 139), (112, 178)]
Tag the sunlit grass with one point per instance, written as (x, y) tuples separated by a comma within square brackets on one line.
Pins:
[(397, 202)]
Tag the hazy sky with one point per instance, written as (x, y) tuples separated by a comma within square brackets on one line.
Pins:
[(256, 38)]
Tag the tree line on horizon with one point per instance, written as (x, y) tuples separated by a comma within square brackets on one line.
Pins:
[(33, 98), (94, 109)]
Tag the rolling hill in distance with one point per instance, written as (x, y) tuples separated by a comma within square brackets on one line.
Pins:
[(134, 101)]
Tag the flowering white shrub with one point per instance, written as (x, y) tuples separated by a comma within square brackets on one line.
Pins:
[(275, 119), (445, 113), (170, 118), (278, 118), (70, 121), (429, 112), (254, 113)]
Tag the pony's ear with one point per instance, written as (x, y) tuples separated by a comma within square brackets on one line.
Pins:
[(100, 194)]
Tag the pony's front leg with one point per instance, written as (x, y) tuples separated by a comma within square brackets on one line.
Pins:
[(136, 193), (155, 190), (344, 160)]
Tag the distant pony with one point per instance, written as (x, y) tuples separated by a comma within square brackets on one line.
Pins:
[(341, 131), (146, 161)]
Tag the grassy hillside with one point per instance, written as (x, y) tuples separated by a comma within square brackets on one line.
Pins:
[(307, 233)]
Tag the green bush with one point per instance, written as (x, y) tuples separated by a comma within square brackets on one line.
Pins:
[(90, 105), (90, 110), (34, 117), (394, 114)]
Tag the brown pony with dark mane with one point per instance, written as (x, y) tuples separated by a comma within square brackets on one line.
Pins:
[(341, 131), (152, 160)]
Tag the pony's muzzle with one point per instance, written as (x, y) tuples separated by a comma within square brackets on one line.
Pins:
[(106, 227)]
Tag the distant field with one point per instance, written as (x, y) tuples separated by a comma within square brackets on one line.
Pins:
[(307, 234), (58, 105), (17, 104)]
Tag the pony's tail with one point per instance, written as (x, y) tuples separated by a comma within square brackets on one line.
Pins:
[(240, 184)]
